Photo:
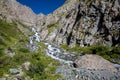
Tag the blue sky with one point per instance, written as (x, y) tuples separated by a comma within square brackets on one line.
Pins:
[(42, 6)]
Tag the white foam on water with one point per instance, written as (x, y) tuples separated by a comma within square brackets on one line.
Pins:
[(51, 51)]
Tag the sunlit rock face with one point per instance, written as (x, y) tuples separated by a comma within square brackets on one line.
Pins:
[(84, 23), (53, 18), (11, 10), (94, 62)]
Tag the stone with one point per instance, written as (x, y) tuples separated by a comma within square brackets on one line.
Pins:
[(26, 65), (14, 71), (90, 61), (9, 52), (117, 66), (2, 78), (70, 73)]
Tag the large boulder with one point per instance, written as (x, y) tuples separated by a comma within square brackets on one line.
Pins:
[(96, 62)]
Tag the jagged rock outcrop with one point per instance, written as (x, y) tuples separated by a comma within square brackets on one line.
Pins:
[(83, 22), (11, 10), (54, 18)]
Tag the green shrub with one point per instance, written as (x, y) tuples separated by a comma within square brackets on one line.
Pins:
[(116, 50), (9, 37), (65, 46), (24, 50), (42, 67), (36, 69), (42, 46), (106, 52), (2, 41), (51, 27)]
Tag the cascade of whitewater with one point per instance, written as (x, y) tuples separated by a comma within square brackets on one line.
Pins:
[(33, 46), (66, 57), (52, 51), (56, 53), (35, 36)]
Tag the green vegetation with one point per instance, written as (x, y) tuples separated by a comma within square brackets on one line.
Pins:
[(108, 53), (115, 32), (89, 2), (51, 27), (97, 36), (11, 38), (9, 30), (42, 67)]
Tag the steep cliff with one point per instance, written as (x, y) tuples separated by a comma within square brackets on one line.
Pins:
[(83, 23)]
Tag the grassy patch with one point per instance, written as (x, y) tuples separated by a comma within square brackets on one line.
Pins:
[(42, 67), (9, 38), (107, 52), (51, 27)]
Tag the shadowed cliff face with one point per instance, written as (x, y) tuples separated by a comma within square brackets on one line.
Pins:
[(11, 10), (84, 23)]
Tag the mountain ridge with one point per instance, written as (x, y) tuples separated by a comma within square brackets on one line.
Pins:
[(11, 10)]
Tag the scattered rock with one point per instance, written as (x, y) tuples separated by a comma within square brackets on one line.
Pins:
[(2, 78), (14, 71), (10, 52), (26, 65), (71, 73), (117, 66)]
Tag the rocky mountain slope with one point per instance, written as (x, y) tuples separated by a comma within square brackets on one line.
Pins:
[(21, 55), (78, 41), (11, 10), (83, 23)]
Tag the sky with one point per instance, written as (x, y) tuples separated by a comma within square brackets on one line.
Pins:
[(42, 6)]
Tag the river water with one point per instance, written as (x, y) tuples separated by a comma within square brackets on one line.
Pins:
[(53, 51), (66, 70)]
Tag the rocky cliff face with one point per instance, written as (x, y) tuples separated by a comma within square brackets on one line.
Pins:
[(49, 24), (83, 23), (78, 22), (11, 10), (24, 56)]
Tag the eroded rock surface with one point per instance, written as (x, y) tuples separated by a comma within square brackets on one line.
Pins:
[(84, 23)]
